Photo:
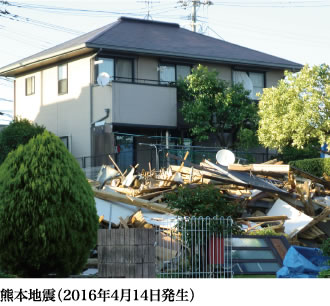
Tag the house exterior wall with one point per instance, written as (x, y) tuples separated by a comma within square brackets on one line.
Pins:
[(272, 77), (102, 99), (64, 115), (71, 114), (225, 71)]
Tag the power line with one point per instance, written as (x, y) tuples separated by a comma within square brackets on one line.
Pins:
[(289, 4)]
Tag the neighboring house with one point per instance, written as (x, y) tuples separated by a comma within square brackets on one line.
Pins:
[(58, 87)]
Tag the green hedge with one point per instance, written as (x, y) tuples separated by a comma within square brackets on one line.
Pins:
[(314, 166)]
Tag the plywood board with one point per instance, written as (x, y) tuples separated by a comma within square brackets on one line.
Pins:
[(297, 219)]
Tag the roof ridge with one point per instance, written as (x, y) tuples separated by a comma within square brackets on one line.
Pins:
[(106, 28), (130, 19)]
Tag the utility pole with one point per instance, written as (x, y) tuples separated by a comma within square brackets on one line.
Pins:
[(148, 3), (193, 15), (194, 5)]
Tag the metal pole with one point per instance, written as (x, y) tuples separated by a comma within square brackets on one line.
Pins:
[(193, 15)]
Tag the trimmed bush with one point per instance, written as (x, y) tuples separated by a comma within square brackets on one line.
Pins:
[(204, 201), (19, 131), (314, 166), (292, 153), (47, 211)]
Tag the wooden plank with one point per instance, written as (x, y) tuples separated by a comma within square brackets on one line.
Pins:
[(114, 197), (311, 177), (322, 216), (114, 163), (261, 168), (153, 194), (279, 246), (263, 218)]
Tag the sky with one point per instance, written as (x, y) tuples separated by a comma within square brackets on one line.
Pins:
[(297, 30)]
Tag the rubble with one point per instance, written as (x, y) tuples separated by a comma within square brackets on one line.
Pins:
[(275, 195)]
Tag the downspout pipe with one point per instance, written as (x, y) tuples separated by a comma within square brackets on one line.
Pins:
[(91, 97), (107, 112)]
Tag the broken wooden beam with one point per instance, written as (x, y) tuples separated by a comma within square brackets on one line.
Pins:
[(261, 168), (263, 218), (113, 196)]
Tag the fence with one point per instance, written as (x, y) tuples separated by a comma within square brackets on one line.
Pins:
[(179, 247), (91, 164), (126, 253), (195, 247)]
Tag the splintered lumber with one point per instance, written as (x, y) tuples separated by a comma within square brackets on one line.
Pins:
[(114, 163), (263, 218), (153, 194), (311, 177), (181, 166), (322, 216), (129, 178), (113, 196), (261, 168), (270, 162)]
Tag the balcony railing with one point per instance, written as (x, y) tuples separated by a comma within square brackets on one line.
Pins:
[(143, 81)]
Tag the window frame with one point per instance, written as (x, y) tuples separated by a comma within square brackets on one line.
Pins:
[(248, 71), (32, 92), (165, 63), (58, 79), (270, 247), (115, 77)]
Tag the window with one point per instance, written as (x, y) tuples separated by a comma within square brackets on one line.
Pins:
[(173, 73), (166, 74), (29, 86), (63, 79), (252, 81), (118, 69), (182, 71), (124, 70), (258, 255)]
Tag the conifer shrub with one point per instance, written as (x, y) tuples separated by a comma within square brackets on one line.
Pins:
[(19, 131), (47, 211)]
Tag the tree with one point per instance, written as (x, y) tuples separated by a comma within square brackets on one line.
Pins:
[(211, 105), (47, 211), (297, 112), (19, 131)]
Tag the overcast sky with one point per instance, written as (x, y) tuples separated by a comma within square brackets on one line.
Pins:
[(294, 30)]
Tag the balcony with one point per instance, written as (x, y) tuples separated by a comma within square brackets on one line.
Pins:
[(141, 103)]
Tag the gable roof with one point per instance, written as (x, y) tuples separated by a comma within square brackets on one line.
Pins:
[(161, 39)]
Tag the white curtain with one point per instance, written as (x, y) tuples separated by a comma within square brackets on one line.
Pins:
[(257, 79), (242, 77), (167, 74)]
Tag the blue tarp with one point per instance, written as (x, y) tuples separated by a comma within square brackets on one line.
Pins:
[(303, 262)]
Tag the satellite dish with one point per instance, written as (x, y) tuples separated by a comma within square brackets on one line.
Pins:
[(103, 79), (225, 157)]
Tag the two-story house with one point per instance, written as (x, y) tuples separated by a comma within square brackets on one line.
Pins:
[(123, 75)]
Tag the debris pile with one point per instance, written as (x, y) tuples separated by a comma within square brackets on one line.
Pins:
[(275, 195)]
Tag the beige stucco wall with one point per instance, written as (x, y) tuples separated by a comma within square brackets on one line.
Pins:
[(144, 104), (28, 106), (102, 99), (223, 70), (273, 76), (64, 115)]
